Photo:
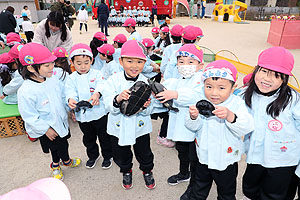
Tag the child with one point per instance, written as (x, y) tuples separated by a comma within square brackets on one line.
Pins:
[(80, 86), (273, 147), (12, 39), (113, 11), (134, 130), (119, 40), (113, 20), (8, 89), (27, 28), (176, 33), (129, 11), (199, 34), (155, 34), (148, 12), (119, 20), (139, 20), (61, 68), (134, 11), (42, 107), (129, 25), (98, 40), (83, 18), (150, 68), (162, 44), (146, 20), (110, 67)]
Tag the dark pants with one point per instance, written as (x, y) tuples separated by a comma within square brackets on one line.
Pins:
[(187, 156), (92, 130), (103, 24), (123, 155), (225, 181), (29, 36), (294, 184), (165, 121), (85, 25), (267, 183), (59, 147)]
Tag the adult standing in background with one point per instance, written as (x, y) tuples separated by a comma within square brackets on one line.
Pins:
[(53, 32), (66, 9), (103, 14), (8, 22), (154, 11), (27, 11), (203, 5)]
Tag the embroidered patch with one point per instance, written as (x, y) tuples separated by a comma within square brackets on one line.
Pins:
[(141, 123), (118, 124), (229, 150), (275, 125), (28, 59), (92, 90), (283, 149), (236, 153)]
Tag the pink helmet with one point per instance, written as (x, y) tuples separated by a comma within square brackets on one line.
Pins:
[(121, 38), (60, 52), (134, 49), (129, 22), (147, 42), (106, 49)]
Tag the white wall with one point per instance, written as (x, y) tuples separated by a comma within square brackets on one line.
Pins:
[(18, 6)]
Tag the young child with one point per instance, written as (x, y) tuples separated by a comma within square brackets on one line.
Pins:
[(129, 25), (80, 86), (139, 20), (98, 40), (113, 21), (155, 34), (42, 107), (189, 62), (61, 68), (12, 39), (113, 11), (119, 20), (83, 18), (134, 130), (134, 11), (150, 68), (176, 35), (119, 40), (123, 18), (219, 144), (110, 67), (273, 147), (129, 11), (199, 34), (27, 27), (109, 20), (162, 44), (146, 20)]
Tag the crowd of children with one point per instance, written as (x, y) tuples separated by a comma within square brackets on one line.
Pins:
[(261, 119)]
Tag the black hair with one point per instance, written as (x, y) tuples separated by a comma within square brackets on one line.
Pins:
[(217, 78), (186, 41), (25, 18), (94, 44), (64, 65), (5, 77), (284, 94), (26, 74), (25, 7), (119, 44), (167, 40), (56, 19), (10, 9), (73, 58), (176, 39), (109, 57), (102, 1)]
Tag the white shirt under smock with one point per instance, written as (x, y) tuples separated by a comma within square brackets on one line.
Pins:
[(219, 142), (81, 87), (127, 129), (42, 107)]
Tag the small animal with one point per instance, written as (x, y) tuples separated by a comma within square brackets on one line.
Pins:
[(83, 105), (157, 88), (205, 108)]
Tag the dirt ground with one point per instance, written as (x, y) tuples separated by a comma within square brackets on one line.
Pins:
[(22, 162)]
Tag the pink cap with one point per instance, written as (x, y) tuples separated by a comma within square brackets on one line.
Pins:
[(147, 42), (121, 38), (165, 29), (106, 49), (247, 78), (189, 33), (199, 31), (277, 59), (155, 30), (15, 50), (6, 58), (177, 30), (221, 69), (100, 36), (12, 38), (34, 53), (43, 189), (134, 49), (60, 52), (191, 50), (129, 22), (81, 49)]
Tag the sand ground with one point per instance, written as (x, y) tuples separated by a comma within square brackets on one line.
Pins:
[(22, 162)]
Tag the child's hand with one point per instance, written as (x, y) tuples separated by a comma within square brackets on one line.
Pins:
[(95, 99), (193, 112), (2, 97), (166, 95), (123, 96), (223, 113), (147, 103), (72, 103), (51, 134), (72, 113)]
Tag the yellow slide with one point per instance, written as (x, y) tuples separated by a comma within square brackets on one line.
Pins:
[(241, 7)]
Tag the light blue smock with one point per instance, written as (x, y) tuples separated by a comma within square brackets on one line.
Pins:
[(117, 55), (111, 68), (171, 70), (98, 64), (12, 87), (148, 69), (135, 36), (166, 57)]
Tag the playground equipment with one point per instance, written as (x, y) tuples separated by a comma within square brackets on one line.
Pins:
[(228, 10)]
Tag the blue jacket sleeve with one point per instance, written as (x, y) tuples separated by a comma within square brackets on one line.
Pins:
[(13, 86)]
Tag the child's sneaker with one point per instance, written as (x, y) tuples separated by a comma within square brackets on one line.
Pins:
[(149, 180), (74, 162), (178, 178), (30, 138), (106, 164), (57, 172), (169, 143), (127, 180), (160, 140), (91, 163)]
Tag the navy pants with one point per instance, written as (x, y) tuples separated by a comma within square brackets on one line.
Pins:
[(103, 25)]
